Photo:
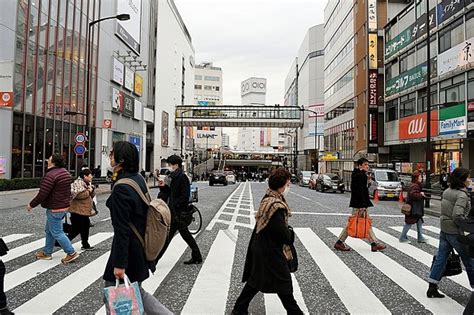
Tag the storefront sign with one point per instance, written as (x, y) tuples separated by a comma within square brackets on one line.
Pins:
[(117, 100), (373, 93), (164, 128), (318, 108), (419, 27), (372, 15), (107, 124), (129, 76), (406, 80), (128, 104), (138, 110), (117, 75), (138, 86), (320, 129), (399, 42), (470, 111), (414, 127), (136, 142), (129, 31), (6, 84), (456, 57), (448, 8), (452, 119), (373, 61)]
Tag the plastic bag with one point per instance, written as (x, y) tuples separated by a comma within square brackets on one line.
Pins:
[(124, 299)]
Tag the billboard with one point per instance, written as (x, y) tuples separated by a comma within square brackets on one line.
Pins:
[(164, 128), (129, 31), (6, 84), (138, 86), (456, 57), (447, 8), (117, 75), (129, 76), (128, 105), (414, 127), (452, 119), (117, 100), (372, 14), (254, 85), (318, 108)]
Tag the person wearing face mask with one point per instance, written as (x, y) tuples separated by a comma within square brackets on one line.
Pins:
[(415, 198), (266, 265), (175, 191)]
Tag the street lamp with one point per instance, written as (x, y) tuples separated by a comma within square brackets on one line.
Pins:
[(87, 127), (316, 142), (291, 144)]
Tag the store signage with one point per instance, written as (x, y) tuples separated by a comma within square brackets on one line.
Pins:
[(470, 111), (128, 105), (136, 142), (373, 93), (164, 129), (6, 84), (138, 86), (406, 80), (372, 14), (419, 27), (107, 124), (129, 76), (456, 57), (373, 61), (318, 108), (117, 100), (138, 110), (117, 75), (448, 8), (254, 85), (129, 31), (452, 119), (414, 127), (373, 127)]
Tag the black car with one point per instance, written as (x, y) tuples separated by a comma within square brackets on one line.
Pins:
[(217, 178), (329, 182)]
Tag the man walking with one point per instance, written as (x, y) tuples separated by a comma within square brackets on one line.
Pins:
[(176, 193), (360, 201), (55, 196)]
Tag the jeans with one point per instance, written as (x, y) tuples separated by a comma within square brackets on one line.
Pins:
[(151, 304), (80, 225), (3, 298), (419, 229), (446, 243), (54, 231)]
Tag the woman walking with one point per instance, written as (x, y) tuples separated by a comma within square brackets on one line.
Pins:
[(266, 266), (82, 207), (455, 208), (415, 198)]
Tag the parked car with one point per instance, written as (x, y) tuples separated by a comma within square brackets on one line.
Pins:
[(303, 178), (312, 181), (386, 182), (230, 176), (217, 177), (330, 182)]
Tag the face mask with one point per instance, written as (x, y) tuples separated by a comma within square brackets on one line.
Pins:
[(286, 191)]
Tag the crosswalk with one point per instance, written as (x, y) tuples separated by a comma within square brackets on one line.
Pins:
[(212, 283)]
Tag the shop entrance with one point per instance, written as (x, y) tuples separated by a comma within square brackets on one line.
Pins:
[(447, 154)]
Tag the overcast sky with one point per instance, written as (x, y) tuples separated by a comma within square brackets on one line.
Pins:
[(250, 38)]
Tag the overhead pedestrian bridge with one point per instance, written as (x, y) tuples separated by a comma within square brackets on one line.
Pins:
[(239, 116)]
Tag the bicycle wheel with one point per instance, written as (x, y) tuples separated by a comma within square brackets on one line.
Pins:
[(196, 222)]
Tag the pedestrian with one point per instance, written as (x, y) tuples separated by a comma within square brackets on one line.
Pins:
[(127, 255), (143, 173), (82, 207), (3, 298), (360, 202), (175, 191), (266, 265), (455, 207), (54, 195), (415, 198), (443, 179)]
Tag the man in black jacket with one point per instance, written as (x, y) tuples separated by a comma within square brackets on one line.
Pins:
[(176, 193), (360, 201)]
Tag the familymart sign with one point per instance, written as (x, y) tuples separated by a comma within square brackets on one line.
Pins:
[(452, 119)]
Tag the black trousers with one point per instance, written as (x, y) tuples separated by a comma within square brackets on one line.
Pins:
[(3, 297), (80, 224), (248, 293), (176, 226)]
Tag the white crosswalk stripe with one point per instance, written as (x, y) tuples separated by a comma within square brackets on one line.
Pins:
[(23, 250), (429, 240), (14, 237)]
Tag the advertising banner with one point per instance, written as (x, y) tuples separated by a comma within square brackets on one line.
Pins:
[(164, 128), (452, 119), (117, 100), (406, 80), (129, 76), (128, 105), (117, 75), (399, 42), (138, 86), (448, 8), (373, 63), (414, 127), (318, 108), (6, 84), (456, 57), (136, 142), (129, 31), (372, 15), (373, 92)]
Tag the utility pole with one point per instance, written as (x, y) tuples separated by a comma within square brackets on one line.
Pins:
[(428, 149)]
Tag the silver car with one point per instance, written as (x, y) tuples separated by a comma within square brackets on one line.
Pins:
[(386, 182)]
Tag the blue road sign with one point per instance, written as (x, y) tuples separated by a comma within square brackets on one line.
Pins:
[(79, 149)]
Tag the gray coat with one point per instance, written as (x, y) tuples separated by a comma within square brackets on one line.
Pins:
[(455, 208)]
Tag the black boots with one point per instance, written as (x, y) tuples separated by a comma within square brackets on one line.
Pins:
[(433, 291), (193, 261)]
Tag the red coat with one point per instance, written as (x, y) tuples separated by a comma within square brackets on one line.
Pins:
[(55, 190), (415, 199)]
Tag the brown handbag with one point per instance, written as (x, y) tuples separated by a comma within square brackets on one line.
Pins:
[(406, 209)]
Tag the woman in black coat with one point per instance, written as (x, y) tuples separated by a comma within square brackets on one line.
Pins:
[(416, 199), (266, 265)]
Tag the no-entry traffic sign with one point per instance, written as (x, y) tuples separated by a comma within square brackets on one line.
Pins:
[(79, 149)]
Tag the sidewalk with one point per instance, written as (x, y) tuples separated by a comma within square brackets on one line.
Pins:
[(434, 209)]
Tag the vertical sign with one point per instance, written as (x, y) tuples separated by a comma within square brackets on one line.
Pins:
[(129, 77), (373, 63), (129, 31), (117, 100), (6, 84), (164, 128), (138, 86), (372, 15), (373, 93), (117, 75)]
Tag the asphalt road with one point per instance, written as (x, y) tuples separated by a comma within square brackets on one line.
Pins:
[(327, 281)]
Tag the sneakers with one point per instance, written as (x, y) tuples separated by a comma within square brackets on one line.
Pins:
[(404, 240), (342, 247), (70, 258), (41, 255), (377, 247)]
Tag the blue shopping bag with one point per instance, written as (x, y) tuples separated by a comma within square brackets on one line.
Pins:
[(124, 299)]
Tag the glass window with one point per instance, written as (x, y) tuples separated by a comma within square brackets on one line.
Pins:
[(411, 59), (198, 87), (470, 25), (470, 90), (198, 77), (451, 35), (392, 110), (407, 105)]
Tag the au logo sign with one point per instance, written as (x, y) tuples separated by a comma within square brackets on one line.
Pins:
[(414, 127)]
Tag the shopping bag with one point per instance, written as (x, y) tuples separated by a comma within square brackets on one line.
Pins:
[(359, 225), (124, 299), (453, 265)]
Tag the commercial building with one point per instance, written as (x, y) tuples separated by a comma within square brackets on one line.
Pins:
[(43, 81), (451, 88), (225, 141)]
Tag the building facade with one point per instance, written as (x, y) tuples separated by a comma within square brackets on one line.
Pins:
[(451, 89)]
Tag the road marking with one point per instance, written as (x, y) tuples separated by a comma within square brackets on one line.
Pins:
[(432, 229), (346, 214), (14, 237), (418, 254), (273, 304), (356, 296), (106, 219), (210, 290), (404, 278), (301, 196), (32, 270), (55, 297), (221, 210), (429, 240), (23, 250)]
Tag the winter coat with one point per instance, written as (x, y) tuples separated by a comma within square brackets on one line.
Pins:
[(55, 190), (266, 267), (359, 190), (83, 204), (176, 195), (455, 207), (416, 200), (127, 207)]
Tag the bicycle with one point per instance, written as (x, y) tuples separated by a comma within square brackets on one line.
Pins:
[(195, 222)]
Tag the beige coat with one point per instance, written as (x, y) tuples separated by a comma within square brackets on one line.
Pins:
[(82, 204)]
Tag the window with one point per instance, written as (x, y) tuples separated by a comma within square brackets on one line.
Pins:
[(198, 77), (411, 60), (391, 111), (470, 25), (407, 105), (197, 87), (403, 62), (422, 101), (451, 35), (208, 87), (211, 78), (217, 88), (452, 90)]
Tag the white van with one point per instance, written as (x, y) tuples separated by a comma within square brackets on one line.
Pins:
[(386, 182)]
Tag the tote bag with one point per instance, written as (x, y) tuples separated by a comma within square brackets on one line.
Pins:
[(124, 299), (359, 225)]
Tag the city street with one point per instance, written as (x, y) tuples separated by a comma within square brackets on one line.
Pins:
[(358, 281)]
